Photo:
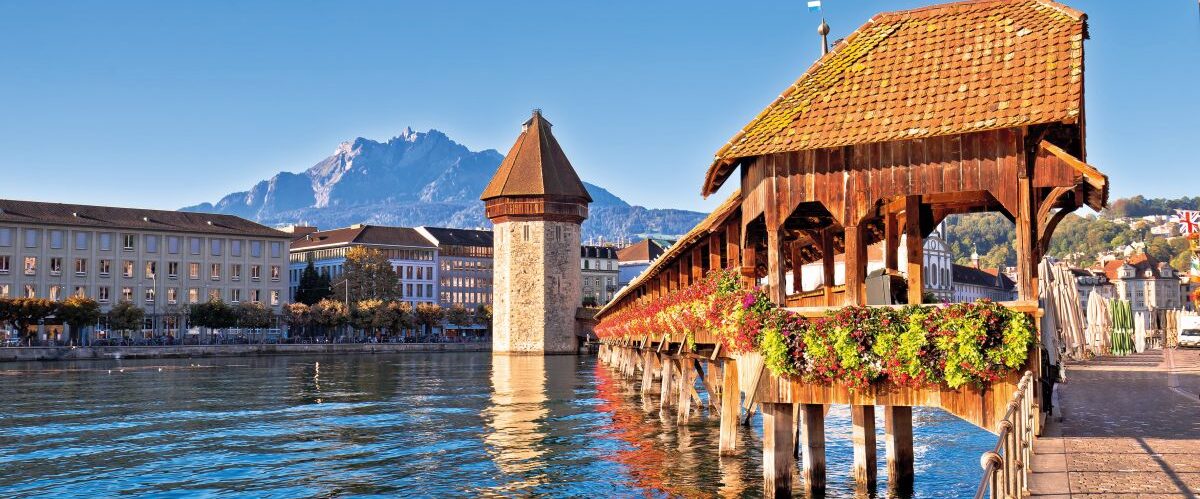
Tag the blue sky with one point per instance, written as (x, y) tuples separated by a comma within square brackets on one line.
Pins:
[(165, 104)]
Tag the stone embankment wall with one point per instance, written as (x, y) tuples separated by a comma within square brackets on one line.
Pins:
[(19, 354)]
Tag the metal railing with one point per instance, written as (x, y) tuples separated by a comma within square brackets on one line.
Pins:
[(1006, 467)]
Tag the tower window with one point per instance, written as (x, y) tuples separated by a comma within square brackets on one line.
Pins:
[(526, 233)]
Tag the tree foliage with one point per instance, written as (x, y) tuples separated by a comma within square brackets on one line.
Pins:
[(367, 275), (429, 315), (313, 286), (213, 314), (253, 315), (458, 315), (1140, 206), (125, 316), (79, 312), (329, 313)]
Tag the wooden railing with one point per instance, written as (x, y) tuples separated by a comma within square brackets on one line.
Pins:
[(1006, 467)]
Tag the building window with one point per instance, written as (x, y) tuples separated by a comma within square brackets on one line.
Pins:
[(274, 297), (127, 268), (172, 295), (214, 294), (105, 241), (56, 239), (255, 249), (235, 295), (152, 244), (102, 294), (276, 250), (32, 238), (151, 270), (3, 291), (81, 240), (254, 296), (193, 295), (149, 295), (81, 266), (56, 265), (215, 272), (81, 291), (274, 272), (255, 272), (214, 247), (55, 292), (30, 265), (194, 245), (30, 291), (172, 270), (4, 264), (235, 247), (5, 237), (127, 294), (105, 267), (173, 245), (193, 270), (235, 271), (128, 242)]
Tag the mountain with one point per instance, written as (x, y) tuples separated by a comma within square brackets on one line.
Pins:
[(417, 178)]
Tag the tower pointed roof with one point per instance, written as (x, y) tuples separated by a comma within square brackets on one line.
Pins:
[(536, 166)]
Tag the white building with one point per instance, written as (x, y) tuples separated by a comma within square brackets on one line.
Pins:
[(412, 255)]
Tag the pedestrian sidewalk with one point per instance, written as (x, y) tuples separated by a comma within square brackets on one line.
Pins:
[(1131, 429)]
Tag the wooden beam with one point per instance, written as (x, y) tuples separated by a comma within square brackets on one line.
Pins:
[(714, 251), (775, 270), (730, 404), (713, 400), (778, 461), (753, 394), (856, 264), (827, 264), (914, 245), (862, 418), (665, 380), (797, 267), (812, 448), (1027, 245), (733, 246), (891, 242), (898, 438), (647, 374), (687, 385)]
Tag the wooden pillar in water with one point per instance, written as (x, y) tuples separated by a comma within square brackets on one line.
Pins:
[(778, 461), (915, 249), (862, 417), (647, 373), (856, 264), (686, 383), (812, 448), (898, 435), (665, 380), (731, 402), (776, 273)]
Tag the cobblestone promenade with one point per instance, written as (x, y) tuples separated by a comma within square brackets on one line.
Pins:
[(1132, 429)]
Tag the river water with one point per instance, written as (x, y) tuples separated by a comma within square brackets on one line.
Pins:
[(411, 425)]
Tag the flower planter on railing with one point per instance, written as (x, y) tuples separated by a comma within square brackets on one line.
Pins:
[(912, 346)]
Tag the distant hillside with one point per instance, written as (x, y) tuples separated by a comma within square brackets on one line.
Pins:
[(1139, 206), (417, 178)]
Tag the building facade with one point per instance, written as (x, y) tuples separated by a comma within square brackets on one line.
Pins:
[(600, 272), (1088, 282), (157, 260), (972, 283), (413, 256), (939, 276), (464, 266), (1146, 283), (633, 259), (537, 204)]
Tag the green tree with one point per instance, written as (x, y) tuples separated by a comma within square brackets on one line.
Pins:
[(79, 312), (313, 286), (367, 275), (399, 317), (369, 316), (458, 315), (254, 315), (430, 315), (28, 312), (298, 317), (330, 314), (483, 316), (214, 314), (125, 316)]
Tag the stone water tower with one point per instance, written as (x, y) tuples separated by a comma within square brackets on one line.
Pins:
[(537, 204)]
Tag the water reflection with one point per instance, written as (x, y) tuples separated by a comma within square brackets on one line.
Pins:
[(516, 418)]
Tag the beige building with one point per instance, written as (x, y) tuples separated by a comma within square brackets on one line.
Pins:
[(1147, 284), (157, 260), (600, 272), (537, 204)]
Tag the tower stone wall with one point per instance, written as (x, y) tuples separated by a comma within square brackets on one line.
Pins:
[(536, 286)]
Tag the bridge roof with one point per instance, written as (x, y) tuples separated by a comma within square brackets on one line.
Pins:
[(940, 70)]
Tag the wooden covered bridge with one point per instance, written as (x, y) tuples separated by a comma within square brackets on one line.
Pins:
[(956, 108)]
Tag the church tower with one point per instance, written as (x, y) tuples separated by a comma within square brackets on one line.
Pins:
[(537, 204)]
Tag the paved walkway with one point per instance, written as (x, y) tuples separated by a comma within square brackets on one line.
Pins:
[(1131, 429)]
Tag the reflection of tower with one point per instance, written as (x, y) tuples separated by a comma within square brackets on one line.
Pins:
[(517, 438), (537, 204)]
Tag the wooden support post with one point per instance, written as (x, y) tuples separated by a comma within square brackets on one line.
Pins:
[(797, 268), (827, 264), (714, 251), (776, 274), (750, 265), (647, 373), (899, 442), (1027, 244), (730, 407), (856, 264), (891, 242), (862, 417), (697, 264), (687, 385), (665, 380), (705, 376), (733, 245), (915, 246), (778, 461), (812, 448)]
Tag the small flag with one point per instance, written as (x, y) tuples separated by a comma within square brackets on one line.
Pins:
[(814, 5), (1189, 221)]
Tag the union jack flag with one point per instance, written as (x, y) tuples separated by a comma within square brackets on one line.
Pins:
[(1189, 221)]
